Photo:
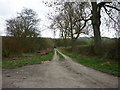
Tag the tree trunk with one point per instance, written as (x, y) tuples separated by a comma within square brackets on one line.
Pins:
[(96, 28)]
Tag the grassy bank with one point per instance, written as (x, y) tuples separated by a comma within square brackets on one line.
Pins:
[(34, 59), (98, 64), (60, 56)]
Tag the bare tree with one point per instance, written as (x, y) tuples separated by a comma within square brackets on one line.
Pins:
[(78, 16), (96, 21), (24, 25), (71, 20)]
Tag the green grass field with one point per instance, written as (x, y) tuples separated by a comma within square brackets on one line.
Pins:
[(34, 59), (98, 64)]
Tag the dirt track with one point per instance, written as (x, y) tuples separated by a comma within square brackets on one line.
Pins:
[(57, 74)]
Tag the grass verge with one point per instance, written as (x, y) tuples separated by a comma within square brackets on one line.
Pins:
[(61, 57), (19, 63), (98, 64), (0, 64)]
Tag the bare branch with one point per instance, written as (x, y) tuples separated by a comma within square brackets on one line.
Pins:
[(112, 7), (109, 14), (102, 4)]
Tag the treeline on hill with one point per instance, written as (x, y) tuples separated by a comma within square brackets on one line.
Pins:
[(67, 43), (14, 46)]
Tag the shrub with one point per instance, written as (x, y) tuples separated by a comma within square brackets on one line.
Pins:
[(13, 46), (110, 50)]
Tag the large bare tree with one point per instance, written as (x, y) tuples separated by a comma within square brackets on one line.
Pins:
[(96, 19), (71, 20), (24, 25)]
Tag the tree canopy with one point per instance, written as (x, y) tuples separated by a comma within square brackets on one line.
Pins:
[(24, 25), (74, 18)]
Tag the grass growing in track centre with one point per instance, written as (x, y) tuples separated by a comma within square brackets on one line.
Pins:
[(60, 56)]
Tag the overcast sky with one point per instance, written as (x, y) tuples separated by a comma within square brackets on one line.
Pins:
[(9, 9)]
